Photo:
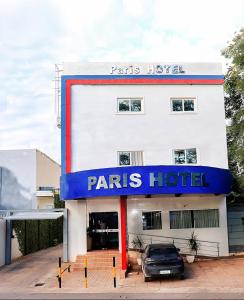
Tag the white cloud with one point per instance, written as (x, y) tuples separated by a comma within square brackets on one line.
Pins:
[(34, 35)]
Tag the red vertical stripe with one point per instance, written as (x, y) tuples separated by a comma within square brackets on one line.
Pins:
[(68, 127), (123, 219)]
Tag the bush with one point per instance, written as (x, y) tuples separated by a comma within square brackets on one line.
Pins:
[(34, 235)]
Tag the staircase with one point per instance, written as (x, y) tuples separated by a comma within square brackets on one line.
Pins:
[(98, 260)]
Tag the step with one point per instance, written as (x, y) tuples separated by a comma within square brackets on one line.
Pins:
[(103, 252), (100, 263), (98, 260), (100, 255), (76, 269), (80, 269), (95, 258), (89, 265)]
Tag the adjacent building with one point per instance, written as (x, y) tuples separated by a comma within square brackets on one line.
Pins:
[(144, 155), (28, 179)]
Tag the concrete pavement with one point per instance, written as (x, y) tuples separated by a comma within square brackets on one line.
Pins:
[(34, 277)]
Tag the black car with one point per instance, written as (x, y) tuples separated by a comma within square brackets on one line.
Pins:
[(159, 260)]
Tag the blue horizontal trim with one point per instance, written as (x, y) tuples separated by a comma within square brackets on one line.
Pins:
[(145, 180), (171, 76)]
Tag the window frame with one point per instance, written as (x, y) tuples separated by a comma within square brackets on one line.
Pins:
[(130, 112), (130, 151), (183, 111), (152, 211), (186, 164)]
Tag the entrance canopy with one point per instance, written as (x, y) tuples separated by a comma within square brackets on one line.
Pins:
[(34, 215)]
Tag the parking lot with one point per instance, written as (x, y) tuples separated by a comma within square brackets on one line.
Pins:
[(36, 273)]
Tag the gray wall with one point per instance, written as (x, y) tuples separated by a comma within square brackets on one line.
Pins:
[(17, 179), (2, 242), (236, 228)]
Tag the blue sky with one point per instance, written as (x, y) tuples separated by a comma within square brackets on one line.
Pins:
[(36, 34)]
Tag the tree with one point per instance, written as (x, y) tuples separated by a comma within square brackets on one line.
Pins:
[(234, 111)]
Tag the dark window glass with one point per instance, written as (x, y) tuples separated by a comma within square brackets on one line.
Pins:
[(188, 105), (129, 105), (151, 220), (177, 105), (163, 253), (135, 105), (124, 105), (179, 157), (185, 156), (191, 156), (124, 158)]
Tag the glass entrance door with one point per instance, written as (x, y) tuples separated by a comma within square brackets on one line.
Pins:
[(103, 230)]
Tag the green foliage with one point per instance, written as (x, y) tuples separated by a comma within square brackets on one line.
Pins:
[(57, 202), (34, 235), (235, 52), (194, 245), (234, 111), (138, 244)]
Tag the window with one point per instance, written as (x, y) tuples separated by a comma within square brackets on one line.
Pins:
[(185, 156), (183, 104), (205, 218), (151, 220), (130, 158), (130, 105)]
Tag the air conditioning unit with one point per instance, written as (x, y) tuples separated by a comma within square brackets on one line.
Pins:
[(58, 122)]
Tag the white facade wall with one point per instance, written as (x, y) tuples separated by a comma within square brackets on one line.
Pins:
[(96, 125), (77, 227), (165, 204)]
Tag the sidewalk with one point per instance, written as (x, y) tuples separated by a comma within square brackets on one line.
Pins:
[(223, 276)]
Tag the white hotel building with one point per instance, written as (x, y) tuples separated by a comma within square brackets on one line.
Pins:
[(144, 154)]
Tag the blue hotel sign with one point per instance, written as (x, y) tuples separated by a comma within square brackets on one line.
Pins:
[(145, 180)]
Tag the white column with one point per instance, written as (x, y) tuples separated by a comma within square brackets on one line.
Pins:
[(77, 231), (224, 243)]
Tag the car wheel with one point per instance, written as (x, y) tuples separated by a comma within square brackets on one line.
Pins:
[(182, 276), (146, 279)]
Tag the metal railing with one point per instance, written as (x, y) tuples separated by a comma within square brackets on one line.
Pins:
[(206, 248)]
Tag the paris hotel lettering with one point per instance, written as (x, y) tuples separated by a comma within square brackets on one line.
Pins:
[(150, 69)]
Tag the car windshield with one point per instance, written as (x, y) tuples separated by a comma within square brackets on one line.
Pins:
[(163, 253)]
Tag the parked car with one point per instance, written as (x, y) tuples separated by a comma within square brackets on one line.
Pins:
[(159, 260)]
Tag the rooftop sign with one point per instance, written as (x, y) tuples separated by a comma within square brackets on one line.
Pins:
[(147, 69), (142, 68), (145, 180)]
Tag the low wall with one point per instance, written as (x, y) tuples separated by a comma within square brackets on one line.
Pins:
[(2, 242), (132, 256)]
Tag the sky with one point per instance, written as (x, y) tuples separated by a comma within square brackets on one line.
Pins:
[(37, 34)]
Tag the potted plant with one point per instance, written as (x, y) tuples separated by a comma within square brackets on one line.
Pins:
[(194, 247), (138, 245)]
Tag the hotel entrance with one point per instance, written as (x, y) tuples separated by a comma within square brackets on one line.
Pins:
[(103, 232)]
